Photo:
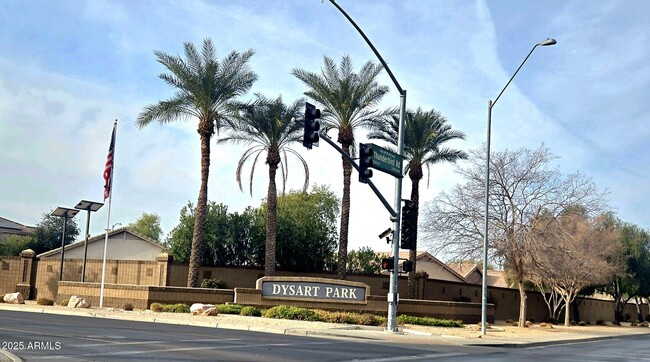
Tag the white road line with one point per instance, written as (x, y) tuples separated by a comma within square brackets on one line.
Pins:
[(149, 351)]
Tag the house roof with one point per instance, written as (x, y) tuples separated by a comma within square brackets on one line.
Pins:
[(498, 278), (11, 227), (424, 256), (99, 237), (464, 268)]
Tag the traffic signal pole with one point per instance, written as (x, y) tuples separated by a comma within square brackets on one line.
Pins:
[(392, 295)]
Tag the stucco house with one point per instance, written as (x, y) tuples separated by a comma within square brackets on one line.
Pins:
[(123, 244)]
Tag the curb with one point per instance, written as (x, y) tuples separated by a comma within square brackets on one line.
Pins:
[(551, 343), (9, 356)]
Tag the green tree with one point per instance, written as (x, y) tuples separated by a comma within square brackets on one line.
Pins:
[(364, 261), (147, 225), (205, 89), (424, 137), (306, 229), (634, 258), (228, 237), (49, 231), (12, 245), (349, 100), (269, 126)]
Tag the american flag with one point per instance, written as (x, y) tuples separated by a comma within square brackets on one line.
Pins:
[(108, 169)]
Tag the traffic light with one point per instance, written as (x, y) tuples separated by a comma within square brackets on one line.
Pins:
[(365, 162), (387, 263), (407, 266), (409, 226), (312, 125)]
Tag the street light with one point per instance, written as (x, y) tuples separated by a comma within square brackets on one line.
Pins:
[(88, 206), (66, 214), (547, 42), (393, 297)]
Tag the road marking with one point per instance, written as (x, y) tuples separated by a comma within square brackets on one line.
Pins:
[(149, 351), (414, 357), (114, 343)]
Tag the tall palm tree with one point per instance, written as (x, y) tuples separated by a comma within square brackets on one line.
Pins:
[(348, 101), (268, 124), (205, 90), (424, 135)]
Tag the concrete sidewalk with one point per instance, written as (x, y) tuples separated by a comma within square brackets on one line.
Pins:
[(329, 330)]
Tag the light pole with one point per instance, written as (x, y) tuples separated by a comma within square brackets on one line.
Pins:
[(66, 214), (491, 104), (392, 295), (88, 206)]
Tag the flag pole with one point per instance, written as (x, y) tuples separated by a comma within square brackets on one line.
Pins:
[(108, 218)]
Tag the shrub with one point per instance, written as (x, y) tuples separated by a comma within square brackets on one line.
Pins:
[(463, 299), (213, 284), (644, 324), (128, 306), (509, 321), (156, 307), (64, 302), (176, 308), (44, 301), (250, 311), (582, 323), (364, 319), (290, 312), (515, 324), (170, 308), (573, 323), (426, 321), (229, 308), (634, 324), (600, 322)]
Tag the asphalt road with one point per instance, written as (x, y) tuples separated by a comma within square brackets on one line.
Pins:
[(34, 336), (45, 337)]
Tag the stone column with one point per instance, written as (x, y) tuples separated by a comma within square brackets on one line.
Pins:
[(164, 262), (27, 257)]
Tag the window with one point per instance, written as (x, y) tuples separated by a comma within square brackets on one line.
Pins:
[(385, 285), (49, 269), (443, 290), (114, 270), (476, 293), (149, 272), (460, 291)]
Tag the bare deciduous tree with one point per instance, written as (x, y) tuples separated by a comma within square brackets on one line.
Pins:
[(572, 252), (522, 186)]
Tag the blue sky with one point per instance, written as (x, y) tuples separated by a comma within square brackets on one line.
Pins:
[(68, 69)]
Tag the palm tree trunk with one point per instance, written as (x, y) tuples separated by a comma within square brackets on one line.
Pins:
[(345, 215), (199, 217), (271, 221), (415, 198)]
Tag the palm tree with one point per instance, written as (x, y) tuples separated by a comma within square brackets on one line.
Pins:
[(205, 90), (424, 135), (348, 100), (268, 125)]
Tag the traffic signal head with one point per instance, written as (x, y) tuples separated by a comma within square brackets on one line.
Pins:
[(407, 266), (312, 126), (408, 238), (387, 263), (365, 162)]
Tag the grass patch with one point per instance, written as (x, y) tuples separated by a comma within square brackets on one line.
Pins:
[(426, 321)]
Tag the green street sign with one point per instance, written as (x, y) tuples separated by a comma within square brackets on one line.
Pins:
[(386, 161)]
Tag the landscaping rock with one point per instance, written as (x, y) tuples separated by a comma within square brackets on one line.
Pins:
[(78, 302), (13, 298), (203, 309)]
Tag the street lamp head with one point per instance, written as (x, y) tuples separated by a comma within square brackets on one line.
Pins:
[(547, 42)]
